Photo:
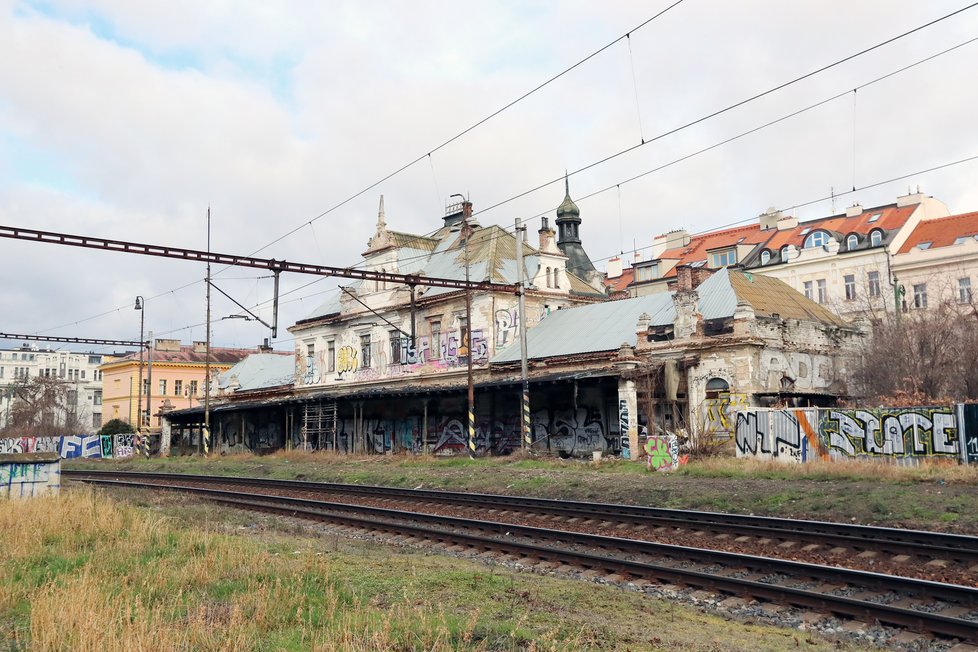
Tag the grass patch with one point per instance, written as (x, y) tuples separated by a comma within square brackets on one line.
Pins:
[(216, 588), (854, 492)]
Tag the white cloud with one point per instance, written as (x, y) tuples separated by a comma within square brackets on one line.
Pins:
[(272, 113)]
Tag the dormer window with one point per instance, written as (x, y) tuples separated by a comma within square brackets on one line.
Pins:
[(816, 239), (784, 254), (852, 241), (874, 217), (876, 238), (724, 258), (765, 257)]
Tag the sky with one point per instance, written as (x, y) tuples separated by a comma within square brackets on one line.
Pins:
[(128, 120)]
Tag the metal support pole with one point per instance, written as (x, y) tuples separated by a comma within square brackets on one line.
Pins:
[(274, 308), (206, 439), (467, 340), (526, 435), (149, 386), (141, 307)]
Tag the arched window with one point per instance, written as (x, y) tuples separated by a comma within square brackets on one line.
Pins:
[(382, 285), (556, 277), (549, 281), (784, 254), (852, 241), (875, 238), (816, 239), (716, 386), (765, 257)]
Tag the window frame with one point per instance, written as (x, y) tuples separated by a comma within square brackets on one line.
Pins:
[(849, 281), (818, 234), (365, 344), (920, 295), (852, 241), (964, 290), (875, 238), (823, 292), (873, 282)]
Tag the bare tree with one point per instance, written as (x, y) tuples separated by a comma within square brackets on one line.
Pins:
[(43, 407), (922, 355)]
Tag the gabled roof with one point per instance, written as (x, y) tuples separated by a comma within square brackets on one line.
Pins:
[(942, 232), (260, 370), (590, 329), (190, 355), (698, 245), (604, 327), (620, 283), (891, 218)]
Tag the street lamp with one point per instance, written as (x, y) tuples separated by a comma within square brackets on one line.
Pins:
[(140, 304)]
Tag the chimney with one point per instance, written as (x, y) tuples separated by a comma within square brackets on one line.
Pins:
[(636, 257), (548, 244), (769, 218), (854, 210), (167, 345), (671, 240), (688, 278), (786, 223), (200, 347), (614, 267), (264, 347), (910, 198), (455, 213)]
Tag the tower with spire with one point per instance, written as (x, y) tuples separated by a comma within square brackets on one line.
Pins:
[(569, 236)]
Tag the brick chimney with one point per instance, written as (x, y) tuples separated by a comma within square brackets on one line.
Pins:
[(688, 278), (614, 267), (200, 347), (548, 243)]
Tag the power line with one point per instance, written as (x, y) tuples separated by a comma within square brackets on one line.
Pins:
[(474, 126), (724, 110), (821, 199)]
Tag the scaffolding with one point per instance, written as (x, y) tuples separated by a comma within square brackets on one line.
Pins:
[(320, 425)]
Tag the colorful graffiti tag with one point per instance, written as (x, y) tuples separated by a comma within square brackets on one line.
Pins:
[(662, 453), (901, 434), (70, 446)]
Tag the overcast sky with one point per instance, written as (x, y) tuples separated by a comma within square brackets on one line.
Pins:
[(126, 119)]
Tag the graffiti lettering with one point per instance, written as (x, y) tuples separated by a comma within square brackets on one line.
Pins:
[(885, 433)]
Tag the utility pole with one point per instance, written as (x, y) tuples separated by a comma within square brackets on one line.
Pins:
[(206, 438), (140, 305), (466, 231), (149, 386), (526, 436)]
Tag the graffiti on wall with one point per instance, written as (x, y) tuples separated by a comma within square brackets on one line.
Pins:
[(720, 414), (71, 446), (25, 479), (623, 427), (662, 453), (800, 435), (579, 431)]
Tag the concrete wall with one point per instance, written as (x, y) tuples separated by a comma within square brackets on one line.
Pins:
[(899, 435), (70, 446), (28, 475)]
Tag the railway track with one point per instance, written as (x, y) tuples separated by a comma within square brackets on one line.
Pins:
[(934, 608)]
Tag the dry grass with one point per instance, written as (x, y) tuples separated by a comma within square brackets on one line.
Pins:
[(98, 575), (949, 472), (83, 572)]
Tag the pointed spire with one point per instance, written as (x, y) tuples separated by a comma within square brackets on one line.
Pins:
[(566, 184), (381, 224)]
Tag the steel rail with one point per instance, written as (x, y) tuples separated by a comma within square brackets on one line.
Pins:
[(933, 623), (918, 542)]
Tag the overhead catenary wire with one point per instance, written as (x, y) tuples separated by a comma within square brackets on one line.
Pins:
[(850, 57)]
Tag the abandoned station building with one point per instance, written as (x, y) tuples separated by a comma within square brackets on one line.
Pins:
[(383, 368)]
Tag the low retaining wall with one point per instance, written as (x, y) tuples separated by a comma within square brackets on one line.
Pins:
[(26, 475), (899, 435), (70, 446)]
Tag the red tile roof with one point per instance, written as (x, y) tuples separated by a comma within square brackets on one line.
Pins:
[(943, 231), (619, 283), (891, 218), (187, 355), (699, 244)]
